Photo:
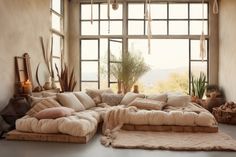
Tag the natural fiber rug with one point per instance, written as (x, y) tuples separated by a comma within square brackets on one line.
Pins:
[(173, 141)]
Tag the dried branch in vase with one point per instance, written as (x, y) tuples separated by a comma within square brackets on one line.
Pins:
[(66, 79)]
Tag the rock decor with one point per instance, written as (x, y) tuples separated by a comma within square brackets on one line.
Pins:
[(226, 113)]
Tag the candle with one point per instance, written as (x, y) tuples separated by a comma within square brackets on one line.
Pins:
[(27, 87)]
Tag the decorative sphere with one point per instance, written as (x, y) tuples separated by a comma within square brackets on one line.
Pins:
[(115, 6)]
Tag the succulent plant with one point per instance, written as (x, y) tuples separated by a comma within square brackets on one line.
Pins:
[(199, 85)]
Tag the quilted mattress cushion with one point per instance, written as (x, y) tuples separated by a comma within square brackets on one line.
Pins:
[(155, 117), (79, 124)]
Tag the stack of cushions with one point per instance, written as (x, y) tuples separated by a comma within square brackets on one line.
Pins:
[(59, 105), (80, 101)]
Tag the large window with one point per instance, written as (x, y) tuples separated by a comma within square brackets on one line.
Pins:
[(175, 45), (57, 27)]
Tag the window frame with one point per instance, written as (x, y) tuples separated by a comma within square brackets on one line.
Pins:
[(58, 33), (125, 36)]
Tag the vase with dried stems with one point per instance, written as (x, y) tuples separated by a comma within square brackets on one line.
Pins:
[(66, 78), (47, 55), (129, 70)]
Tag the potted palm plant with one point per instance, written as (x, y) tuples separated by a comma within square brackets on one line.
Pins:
[(129, 70)]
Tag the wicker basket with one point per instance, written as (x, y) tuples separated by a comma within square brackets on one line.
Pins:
[(224, 116)]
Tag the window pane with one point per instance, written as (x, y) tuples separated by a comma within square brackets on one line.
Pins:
[(114, 87), (169, 64), (56, 6), (196, 11), (56, 48), (197, 67), (196, 27), (89, 71), (89, 29), (178, 27), (136, 11), (115, 28), (114, 14), (103, 63), (86, 11), (158, 27), (159, 11), (112, 77), (56, 22), (178, 11), (195, 50), (89, 49), (89, 85), (136, 28), (115, 50), (56, 61)]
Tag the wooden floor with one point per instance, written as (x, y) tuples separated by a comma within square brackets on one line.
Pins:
[(94, 149)]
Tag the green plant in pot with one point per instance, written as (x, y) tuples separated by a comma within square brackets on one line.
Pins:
[(198, 86), (129, 70)]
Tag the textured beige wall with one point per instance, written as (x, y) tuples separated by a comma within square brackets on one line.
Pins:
[(227, 59), (22, 22), (74, 36), (213, 45)]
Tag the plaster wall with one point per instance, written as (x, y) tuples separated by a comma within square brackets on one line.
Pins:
[(227, 48), (22, 22), (74, 39)]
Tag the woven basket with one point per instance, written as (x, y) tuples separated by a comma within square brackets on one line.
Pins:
[(223, 116)]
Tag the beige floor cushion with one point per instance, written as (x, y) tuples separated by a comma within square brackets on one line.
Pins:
[(129, 97), (71, 101), (79, 124), (147, 104), (85, 99), (157, 97), (43, 104)]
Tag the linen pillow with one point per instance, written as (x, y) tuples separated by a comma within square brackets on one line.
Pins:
[(129, 97), (95, 94), (147, 104), (86, 100), (112, 99), (70, 100), (43, 104), (158, 97), (54, 112), (178, 100), (33, 100)]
